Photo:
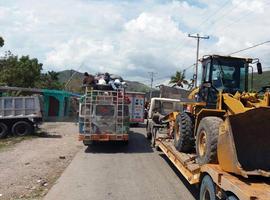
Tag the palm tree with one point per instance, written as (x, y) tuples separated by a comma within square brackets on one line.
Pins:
[(179, 79), (53, 75)]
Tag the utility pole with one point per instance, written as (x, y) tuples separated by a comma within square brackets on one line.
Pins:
[(152, 80), (198, 37)]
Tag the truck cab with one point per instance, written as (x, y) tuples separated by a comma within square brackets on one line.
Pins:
[(160, 107)]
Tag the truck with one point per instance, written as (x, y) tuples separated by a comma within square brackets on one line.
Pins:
[(136, 107), (159, 107), (220, 139), (104, 116), (19, 115)]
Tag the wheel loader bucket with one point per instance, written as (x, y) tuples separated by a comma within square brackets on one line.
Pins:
[(244, 143)]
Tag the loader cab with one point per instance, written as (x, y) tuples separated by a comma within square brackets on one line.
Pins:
[(222, 74)]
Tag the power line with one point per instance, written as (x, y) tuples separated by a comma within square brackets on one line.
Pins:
[(214, 14), (209, 17), (193, 65), (251, 47), (239, 19)]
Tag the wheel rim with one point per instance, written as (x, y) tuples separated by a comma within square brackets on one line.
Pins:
[(206, 195), (202, 143)]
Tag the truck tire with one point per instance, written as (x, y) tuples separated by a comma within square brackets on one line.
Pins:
[(22, 128), (206, 140), (3, 130), (207, 189), (183, 135)]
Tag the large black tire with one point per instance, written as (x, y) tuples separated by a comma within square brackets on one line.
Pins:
[(206, 140), (3, 130), (207, 189), (22, 128), (183, 135)]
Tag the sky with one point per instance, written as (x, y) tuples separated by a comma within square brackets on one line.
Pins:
[(135, 37)]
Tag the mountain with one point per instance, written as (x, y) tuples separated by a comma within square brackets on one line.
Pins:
[(73, 81), (260, 80)]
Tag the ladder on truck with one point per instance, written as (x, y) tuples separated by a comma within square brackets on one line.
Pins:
[(88, 109), (120, 102), (95, 97)]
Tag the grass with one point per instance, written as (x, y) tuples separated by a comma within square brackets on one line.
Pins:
[(11, 141)]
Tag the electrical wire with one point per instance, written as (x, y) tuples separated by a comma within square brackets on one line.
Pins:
[(251, 47), (214, 14)]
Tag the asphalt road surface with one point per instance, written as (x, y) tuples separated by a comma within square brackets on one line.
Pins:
[(119, 172)]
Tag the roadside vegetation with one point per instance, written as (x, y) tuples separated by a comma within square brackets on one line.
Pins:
[(11, 141)]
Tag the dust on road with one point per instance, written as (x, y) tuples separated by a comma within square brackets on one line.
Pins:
[(29, 168)]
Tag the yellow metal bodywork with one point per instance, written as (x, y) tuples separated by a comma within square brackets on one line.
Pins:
[(246, 119)]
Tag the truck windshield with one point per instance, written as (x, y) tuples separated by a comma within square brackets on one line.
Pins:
[(229, 76)]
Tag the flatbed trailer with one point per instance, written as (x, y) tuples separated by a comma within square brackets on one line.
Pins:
[(226, 185)]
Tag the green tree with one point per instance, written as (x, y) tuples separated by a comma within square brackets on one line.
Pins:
[(2, 42), (19, 72), (50, 80), (179, 79)]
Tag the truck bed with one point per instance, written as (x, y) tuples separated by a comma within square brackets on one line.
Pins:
[(20, 107), (244, 188)]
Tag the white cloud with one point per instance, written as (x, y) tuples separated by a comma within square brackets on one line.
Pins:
[(131, 38)]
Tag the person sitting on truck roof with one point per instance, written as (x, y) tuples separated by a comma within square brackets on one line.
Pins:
[(88, 80), (107, 77)]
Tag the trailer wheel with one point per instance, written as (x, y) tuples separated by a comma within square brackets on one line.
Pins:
[(207, 189), (206, 140), (22, 128), (3, 130), (183, 135)]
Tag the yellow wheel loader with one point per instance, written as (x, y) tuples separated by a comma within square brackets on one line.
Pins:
[(223, 120)]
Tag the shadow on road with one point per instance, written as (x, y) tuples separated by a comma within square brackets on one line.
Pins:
[(48, 135), (192, 189), (137, 144)]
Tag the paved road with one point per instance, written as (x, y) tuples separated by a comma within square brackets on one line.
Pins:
[(118, 172)]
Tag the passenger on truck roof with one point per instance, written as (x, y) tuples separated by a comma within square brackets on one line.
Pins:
[(88, 80)]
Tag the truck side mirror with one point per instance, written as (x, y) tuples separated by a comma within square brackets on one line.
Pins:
[(259, 68)]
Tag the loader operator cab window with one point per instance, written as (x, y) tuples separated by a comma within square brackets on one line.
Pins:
[(228, 76)]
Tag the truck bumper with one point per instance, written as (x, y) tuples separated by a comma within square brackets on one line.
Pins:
[(103, 137)]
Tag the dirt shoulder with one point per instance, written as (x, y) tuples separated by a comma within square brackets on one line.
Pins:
[(29, 167)]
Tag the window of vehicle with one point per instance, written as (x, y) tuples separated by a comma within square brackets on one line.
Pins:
[(167, 107), (229, 75), (105, 110)]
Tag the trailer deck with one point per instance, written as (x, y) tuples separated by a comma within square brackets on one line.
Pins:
[(252, 188)]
